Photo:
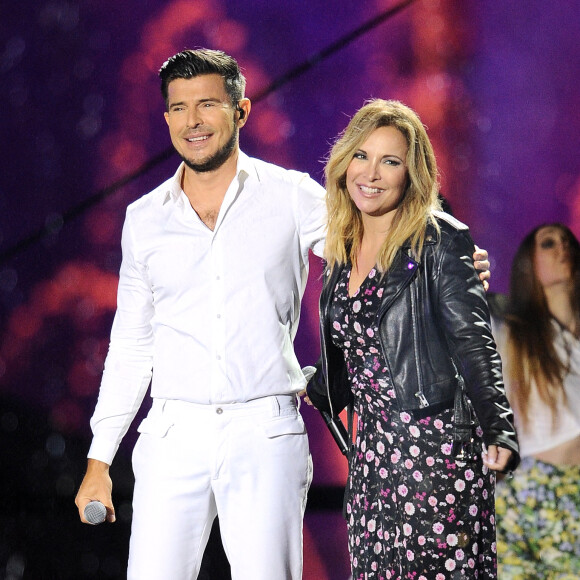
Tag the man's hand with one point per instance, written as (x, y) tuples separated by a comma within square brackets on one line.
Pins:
[(96, 485), (481, 263)]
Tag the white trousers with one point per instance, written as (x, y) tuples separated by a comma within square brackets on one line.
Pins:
[(247, 462)]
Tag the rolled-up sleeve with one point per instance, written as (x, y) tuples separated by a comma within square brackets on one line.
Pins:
[(310, 211)]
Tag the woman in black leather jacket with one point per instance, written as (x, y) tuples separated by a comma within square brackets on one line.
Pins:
[(405, 333)]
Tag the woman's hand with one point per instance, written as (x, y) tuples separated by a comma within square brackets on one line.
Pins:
[(497, 458)]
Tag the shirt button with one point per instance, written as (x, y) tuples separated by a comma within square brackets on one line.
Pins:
[(219, 315), (219, 410), (218, 357)]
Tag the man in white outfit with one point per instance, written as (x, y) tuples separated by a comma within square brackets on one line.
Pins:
[(215, 262)]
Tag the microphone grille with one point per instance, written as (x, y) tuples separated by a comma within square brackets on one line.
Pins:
[(95, 512)]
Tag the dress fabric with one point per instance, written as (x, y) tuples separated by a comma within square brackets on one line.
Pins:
[(412, 510)]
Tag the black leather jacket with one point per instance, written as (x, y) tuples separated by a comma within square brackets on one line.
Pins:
[(434, 326)]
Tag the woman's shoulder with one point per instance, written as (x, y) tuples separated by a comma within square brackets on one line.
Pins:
[(446, 234), (448, 224), (442, 226)]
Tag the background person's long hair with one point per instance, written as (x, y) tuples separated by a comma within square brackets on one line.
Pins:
[(420, 199), (532, 357)]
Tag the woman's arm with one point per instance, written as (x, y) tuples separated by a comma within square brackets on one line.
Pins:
[(464, 316)]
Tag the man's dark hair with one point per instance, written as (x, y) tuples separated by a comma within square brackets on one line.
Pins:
[(192, 63)]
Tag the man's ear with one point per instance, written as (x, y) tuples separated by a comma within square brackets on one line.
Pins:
[(244, 107)]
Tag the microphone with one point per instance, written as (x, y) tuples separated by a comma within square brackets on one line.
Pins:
[(95, 512), (334, 424), (338, 431)]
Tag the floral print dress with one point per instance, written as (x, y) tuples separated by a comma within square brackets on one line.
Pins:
[(413, 511)]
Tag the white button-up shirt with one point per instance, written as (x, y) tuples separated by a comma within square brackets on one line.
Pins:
[(209, 316)]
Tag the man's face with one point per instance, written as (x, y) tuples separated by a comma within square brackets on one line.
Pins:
[(202, 121)]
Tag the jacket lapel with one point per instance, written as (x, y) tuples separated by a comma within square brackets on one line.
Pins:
[(398, 277)]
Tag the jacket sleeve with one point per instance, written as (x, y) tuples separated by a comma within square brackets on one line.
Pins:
[(464, 316), (316, 389), (336, 385)]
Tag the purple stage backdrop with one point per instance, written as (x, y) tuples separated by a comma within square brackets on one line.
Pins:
[(495, 82)]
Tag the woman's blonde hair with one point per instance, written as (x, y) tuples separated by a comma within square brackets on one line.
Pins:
[(420, 199)]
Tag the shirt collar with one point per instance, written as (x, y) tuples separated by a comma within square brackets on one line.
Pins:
[(244, 166), (174, 185)]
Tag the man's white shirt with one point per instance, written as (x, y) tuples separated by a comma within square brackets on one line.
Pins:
[(210, 316)]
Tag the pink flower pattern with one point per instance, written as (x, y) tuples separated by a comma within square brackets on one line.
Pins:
[(427, 510)]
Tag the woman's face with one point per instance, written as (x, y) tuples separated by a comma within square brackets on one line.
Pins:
[(377, 175), (552, 259)]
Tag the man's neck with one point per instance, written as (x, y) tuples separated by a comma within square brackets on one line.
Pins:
[(206, 190), (209, 184)]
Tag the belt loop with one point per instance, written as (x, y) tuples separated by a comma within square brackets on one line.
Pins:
[(276, 406)]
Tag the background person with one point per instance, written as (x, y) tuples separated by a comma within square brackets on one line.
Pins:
[(538, 510)]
